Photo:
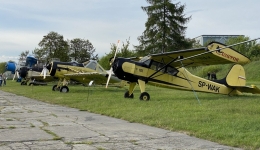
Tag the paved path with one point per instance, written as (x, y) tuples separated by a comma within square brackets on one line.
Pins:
[(28, 124)]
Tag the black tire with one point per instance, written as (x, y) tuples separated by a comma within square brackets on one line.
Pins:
[(55, 88), (23, 83), (127, 95), (144, 96), (64, 89)]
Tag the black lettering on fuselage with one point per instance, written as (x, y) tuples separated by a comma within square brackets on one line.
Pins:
[(211, 87)]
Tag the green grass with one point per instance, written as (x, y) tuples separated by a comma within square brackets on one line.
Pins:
[(232, 121)]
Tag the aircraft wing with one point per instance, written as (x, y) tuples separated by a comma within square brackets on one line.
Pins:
[(48, 78), (202, 56), (98, 78)]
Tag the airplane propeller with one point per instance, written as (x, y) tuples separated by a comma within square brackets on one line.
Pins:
[(44, 70), (16, 74), (111, 62)]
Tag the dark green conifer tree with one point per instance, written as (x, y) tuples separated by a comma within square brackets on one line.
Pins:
[(165, 28)]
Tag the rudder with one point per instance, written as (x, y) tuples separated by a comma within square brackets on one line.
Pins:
[(236, 76)]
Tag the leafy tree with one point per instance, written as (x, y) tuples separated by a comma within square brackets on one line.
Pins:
[(249, 49), (122, 52), (165, 28), (54, 46), (40, 55), (82, 50), (2, 67), (23, 55)]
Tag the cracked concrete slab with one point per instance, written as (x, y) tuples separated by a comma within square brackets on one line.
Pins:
[(30, 124)]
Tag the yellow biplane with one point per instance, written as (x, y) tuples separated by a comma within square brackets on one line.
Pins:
[(84, 73), (168, 70)]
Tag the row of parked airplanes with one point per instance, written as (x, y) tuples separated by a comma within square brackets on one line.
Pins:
[(166, 70)]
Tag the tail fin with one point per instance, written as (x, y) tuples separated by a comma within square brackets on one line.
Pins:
[(236, 76), (236, 79)]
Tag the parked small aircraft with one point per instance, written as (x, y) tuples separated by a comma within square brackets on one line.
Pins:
[(30, 72), (79, 72), (167, 70), (34, 76)]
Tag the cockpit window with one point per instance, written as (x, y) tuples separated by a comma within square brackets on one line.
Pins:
[(91, 65), (171, 70), (100, 69), (157, 66)]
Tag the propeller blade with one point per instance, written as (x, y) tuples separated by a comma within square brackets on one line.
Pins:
[(18, 76), (14, 74), (109, 76), (44, 71), (110, 71)]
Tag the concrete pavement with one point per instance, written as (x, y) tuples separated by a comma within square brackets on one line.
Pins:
[(28, 124)]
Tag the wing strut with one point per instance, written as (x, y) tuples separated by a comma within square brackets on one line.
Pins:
[(190, 84)]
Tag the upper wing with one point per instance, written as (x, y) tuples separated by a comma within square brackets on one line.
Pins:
[(202, 56)]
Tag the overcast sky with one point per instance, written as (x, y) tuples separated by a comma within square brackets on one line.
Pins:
[(23, 23)]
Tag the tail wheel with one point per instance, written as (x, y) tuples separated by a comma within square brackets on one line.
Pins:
[(64, 89), (55, 88), (144, 96), (128, 96)]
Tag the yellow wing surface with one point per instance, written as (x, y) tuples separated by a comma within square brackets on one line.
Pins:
[(215, 53), (48, 78), (86, 77)]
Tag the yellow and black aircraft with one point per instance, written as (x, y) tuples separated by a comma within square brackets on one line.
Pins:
[(167, 70), (80, 72)]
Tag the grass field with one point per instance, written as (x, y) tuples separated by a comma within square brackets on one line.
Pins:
[(233, 121)]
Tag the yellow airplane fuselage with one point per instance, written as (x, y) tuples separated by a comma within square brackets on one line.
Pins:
[(183, 80)]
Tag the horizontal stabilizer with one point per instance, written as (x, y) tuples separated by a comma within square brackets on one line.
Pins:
[(247, 89)]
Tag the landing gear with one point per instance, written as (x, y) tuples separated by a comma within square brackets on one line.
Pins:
[(23, 83), (144, 96), (128, 96), (55, 88), (64, 89)]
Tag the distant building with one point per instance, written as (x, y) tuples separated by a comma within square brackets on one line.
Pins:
[(204, 39)]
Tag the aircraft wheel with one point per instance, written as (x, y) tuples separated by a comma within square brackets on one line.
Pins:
[(127, 95), (23, 83), (144, 96), (64, 89), (55, 88)]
